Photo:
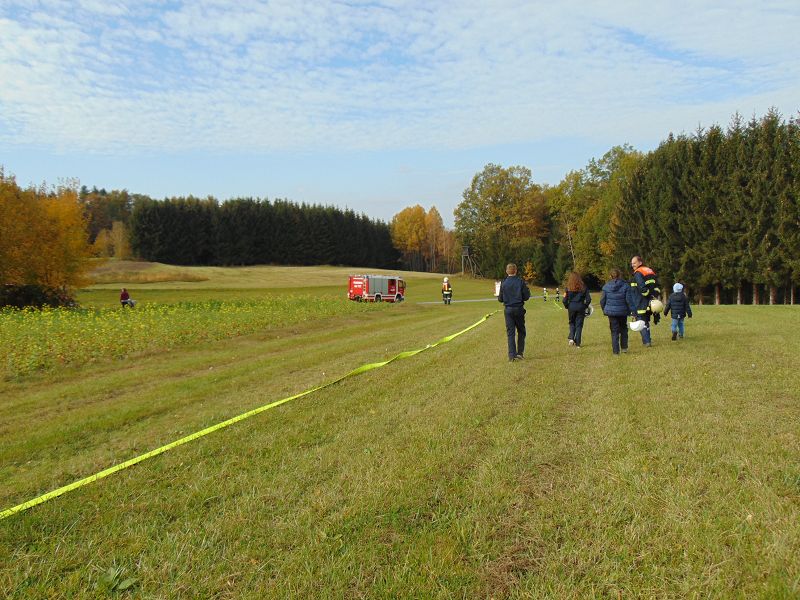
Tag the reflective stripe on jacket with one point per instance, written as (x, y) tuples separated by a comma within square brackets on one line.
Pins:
[(643, 288)]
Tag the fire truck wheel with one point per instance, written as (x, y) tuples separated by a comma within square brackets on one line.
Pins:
[(398, 298), (378, 298)]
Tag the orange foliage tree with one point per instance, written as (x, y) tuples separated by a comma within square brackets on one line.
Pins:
[(43, 239), (422, 239), (409, 235)]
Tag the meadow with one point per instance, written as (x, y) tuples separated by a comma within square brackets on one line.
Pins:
[(669, 472)]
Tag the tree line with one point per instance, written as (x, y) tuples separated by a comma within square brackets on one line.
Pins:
[(717, 210), (246, 231), (47, 235), (240, 231), (720, 209)]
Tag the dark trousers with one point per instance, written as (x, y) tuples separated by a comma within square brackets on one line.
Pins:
[(515, 326), (619, 333), (576, 318)]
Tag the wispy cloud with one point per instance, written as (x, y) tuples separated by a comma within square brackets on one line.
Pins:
[(218, 75)]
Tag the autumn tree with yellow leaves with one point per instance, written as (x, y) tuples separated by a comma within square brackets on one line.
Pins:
[(43, 239), (422, 240)]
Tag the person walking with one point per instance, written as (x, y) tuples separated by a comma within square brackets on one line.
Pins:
[(124, 298), (643, 288), (614, 303), (544, 294), (513, 294), (576, 301), (678, 303), (447, 291)]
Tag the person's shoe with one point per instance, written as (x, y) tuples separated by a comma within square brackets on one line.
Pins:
[(680, 336), (519, 357), (648, 345), (624, 350), (571, 342), (674, 335), (577, 345), (615, 353)]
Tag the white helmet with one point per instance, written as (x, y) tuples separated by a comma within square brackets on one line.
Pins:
[(446, 280), (656, 305), (637, 325)]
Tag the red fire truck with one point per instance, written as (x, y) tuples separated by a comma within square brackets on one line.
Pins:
[(377, 288)]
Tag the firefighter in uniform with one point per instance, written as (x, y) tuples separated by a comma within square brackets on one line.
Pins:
[(447, 291), (544, 294), (643, 289)]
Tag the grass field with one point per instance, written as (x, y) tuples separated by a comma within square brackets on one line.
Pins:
[(669, 472)]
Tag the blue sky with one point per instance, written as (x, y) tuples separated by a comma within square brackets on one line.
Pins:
[(371, 105)]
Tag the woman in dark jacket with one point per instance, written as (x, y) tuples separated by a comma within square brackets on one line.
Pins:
[(576, 300), (615, 305)]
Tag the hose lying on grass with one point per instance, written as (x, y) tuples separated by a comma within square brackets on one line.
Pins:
[(142, 457)]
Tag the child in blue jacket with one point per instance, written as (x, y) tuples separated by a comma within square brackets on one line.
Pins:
[(678, 303)]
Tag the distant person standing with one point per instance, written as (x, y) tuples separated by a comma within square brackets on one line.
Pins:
[(558, 295), (447, 291), (643, 288), (678, 303), (513, 294), (544, 294), (576, 300), (614, 302), (124, 298)]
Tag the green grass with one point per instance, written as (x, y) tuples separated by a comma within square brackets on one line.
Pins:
[(669, 472)]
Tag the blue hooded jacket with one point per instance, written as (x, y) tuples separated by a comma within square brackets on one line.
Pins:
[(678, 303), (614, 300)]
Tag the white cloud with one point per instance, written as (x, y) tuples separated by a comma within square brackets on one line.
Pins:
[(269, 76)]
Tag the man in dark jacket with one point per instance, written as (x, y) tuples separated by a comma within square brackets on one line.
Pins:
[(678, 303), (643, 288), (514, 293), (614, 302)]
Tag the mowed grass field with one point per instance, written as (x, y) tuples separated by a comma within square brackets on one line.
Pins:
[(669, 472)]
